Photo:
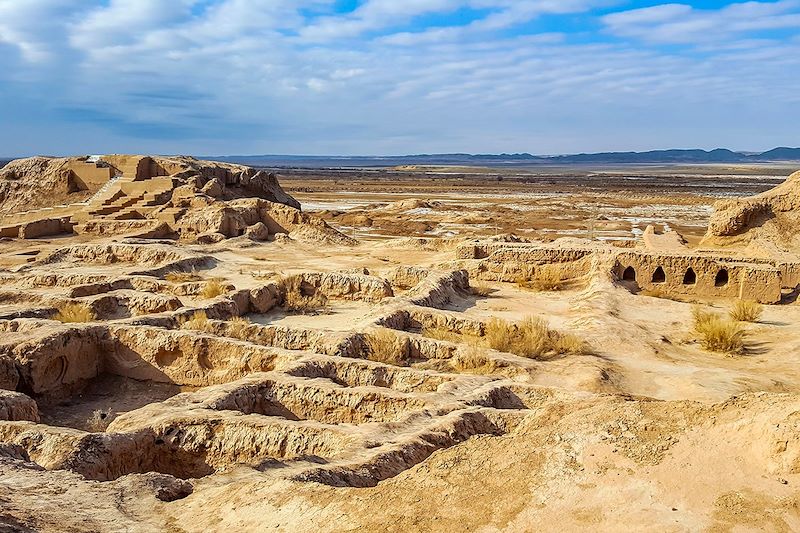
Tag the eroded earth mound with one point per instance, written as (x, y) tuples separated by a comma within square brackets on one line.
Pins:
[(769, 219)]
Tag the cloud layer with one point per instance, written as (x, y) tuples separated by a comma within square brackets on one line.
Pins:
[(383, 76)]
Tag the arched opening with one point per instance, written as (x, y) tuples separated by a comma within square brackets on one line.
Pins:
[(629, 274), (659, 276), (690, 278), (722, 278)]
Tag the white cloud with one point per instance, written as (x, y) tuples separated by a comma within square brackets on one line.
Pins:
[(683, 24), (265, 76), (35, 27)]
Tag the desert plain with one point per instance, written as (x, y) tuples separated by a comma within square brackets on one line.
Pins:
[(198, 346)]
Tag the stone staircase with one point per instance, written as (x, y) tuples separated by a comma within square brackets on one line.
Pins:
[(126, 197)]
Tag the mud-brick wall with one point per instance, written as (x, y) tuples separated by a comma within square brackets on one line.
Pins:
[(790, 274), (467, 252), (90, 176), (44, 228), (521, 252), (760, 283), (692, 275)]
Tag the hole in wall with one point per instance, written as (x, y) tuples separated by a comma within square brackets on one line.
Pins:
[(659, 276)]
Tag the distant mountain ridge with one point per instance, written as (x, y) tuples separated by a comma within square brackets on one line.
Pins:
[(719, 155)]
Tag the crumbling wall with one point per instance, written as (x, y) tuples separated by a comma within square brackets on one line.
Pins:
[(697, 275), (44, 228)]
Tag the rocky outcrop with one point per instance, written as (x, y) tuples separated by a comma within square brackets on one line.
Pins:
[(44, 228), (183, 357), (215, 179)]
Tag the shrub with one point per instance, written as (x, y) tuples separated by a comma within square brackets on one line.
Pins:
[(385, 346), (746, 311), (717, 334), (297, 302), (212, 289), (481, 289), (178, 276), (74, 313)]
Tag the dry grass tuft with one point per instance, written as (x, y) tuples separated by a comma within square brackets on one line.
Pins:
[(212, 289), (497, 334), (567, 343), (264, 275), (530, 338), (198, 322), (545, 279), (718, 334), (482, 289), (474, 360), (178, 276), (74, 313), (746, 311), (297, 302), (385, 346), (238, 327)]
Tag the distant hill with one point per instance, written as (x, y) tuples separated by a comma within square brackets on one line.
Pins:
[(781, 154), (719, 155)]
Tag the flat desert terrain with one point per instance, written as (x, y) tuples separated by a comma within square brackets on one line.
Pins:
[(198, 346)]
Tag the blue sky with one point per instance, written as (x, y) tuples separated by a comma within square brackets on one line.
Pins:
[(396, 76)]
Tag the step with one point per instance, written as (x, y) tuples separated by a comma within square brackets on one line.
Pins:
[(170, 215), (129, 213)]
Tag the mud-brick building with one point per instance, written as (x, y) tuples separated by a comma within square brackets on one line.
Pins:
[(675, 273)]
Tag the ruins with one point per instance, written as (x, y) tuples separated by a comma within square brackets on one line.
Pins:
[(236, 367)]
